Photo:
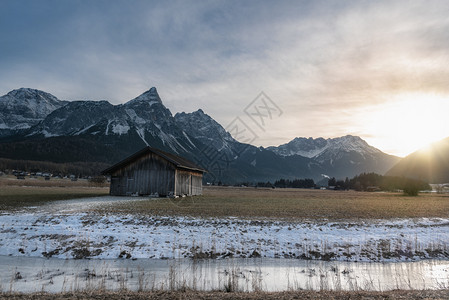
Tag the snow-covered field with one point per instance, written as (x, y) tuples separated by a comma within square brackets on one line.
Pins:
[(65, 231)]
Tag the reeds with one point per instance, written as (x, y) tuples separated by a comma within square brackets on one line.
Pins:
[(231, 276)]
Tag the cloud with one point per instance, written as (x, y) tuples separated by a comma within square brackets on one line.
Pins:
[(322, 62)]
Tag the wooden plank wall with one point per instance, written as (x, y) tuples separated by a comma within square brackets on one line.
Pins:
[(197, 184), (148, 175), (183, 182), (188, 183)]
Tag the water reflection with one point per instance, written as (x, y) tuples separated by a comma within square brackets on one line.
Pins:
[(28, 274)]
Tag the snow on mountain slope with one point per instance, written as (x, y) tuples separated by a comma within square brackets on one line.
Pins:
[(338, 147), (315, 148), (202, 127), (23, 108), (149, 116), (147, 111), (150, 97), (144, 117), (340, 157), (301, 146)]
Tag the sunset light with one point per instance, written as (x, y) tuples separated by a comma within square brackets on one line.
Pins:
[(407, 122)]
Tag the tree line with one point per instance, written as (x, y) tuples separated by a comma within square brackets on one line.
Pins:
[(373, 182), (76, 168), (295, 183), (283, 183), (363, 182)]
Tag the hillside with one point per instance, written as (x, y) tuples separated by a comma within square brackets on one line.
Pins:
[(430, 164)]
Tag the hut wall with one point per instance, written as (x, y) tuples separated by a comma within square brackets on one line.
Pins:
[(197, 184), (148, 175), (188, 183)]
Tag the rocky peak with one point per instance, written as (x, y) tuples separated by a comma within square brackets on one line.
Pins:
[(148, 108), (24, 107), (201, 125), (193, 116), (26, 93), (352, 143), (307, 147), (151, 97)]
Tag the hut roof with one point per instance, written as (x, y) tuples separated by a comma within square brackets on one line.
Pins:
[(178, 161)]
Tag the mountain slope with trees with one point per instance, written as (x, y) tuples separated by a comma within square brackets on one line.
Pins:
[(430, 164)]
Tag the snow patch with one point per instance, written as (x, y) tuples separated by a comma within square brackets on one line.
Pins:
[(120, 129), (175, 237), (188, 139), (132, 114), (48, 134), (141, 133), (107, 127), (84, 130)]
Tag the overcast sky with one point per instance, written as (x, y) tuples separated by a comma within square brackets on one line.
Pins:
[(377, 69)]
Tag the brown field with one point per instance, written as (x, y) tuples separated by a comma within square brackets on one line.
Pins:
[(397, 294), (296, 204), (35, 191)]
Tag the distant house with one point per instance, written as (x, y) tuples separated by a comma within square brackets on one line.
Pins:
[(373, 189), (155, 172)]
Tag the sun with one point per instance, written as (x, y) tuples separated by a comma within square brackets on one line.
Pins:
[(408, 122)]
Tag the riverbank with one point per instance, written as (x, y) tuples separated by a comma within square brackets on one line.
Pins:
[(194, 295), (67, 234)]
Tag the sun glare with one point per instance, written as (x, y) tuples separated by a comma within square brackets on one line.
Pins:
[(408, 122)]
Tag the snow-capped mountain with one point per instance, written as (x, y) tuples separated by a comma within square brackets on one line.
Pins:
[(97, 131), (301, 146), (324, 148), (73, 119), (144, 117), (339, 156), (23, 108), (337, 148), (205, 129), (147, 115), (226, 159)]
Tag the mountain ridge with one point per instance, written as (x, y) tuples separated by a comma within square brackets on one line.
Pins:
[(310, 147), (111, 131)]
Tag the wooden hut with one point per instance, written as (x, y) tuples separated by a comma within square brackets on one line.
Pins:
[(155, 172)]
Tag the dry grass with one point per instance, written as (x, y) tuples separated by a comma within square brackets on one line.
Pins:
[(397, 294), (8, 180), (17, 193), (297, 204)]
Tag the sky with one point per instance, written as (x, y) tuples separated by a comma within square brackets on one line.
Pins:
[(375, 69)]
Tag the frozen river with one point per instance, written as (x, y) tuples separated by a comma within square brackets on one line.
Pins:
[(31, 274)]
